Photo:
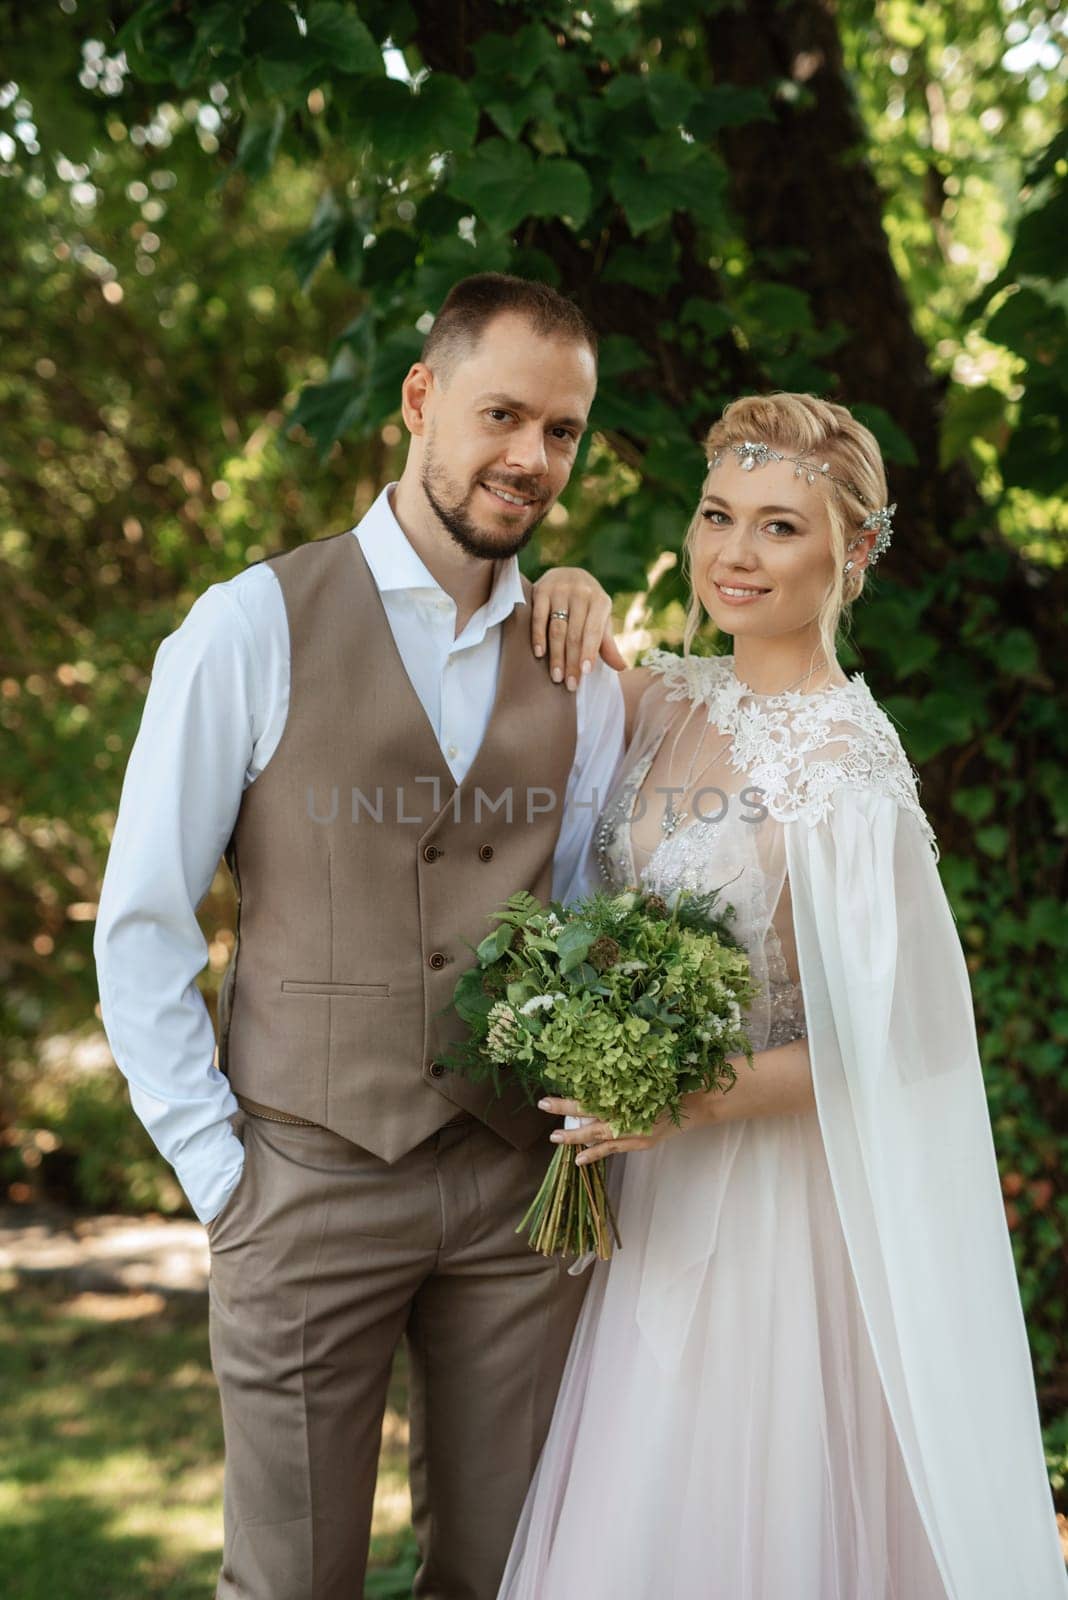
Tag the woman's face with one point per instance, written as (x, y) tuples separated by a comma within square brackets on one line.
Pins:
[(762, 558)]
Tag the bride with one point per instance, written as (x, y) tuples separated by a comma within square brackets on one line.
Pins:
[(806, 1375)]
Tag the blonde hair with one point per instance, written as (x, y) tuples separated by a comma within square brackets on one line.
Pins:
[(819, 430)]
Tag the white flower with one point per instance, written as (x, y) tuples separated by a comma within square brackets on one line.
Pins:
[(539, 1002), (625, 968)]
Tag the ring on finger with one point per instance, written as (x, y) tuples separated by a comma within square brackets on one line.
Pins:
[(562, 615)]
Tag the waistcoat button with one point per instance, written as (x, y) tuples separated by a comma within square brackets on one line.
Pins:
[(431, 853), (437, 961), (485, 852), (436, 1069)]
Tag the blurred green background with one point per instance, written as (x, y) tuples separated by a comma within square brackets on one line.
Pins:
[(225, 227)]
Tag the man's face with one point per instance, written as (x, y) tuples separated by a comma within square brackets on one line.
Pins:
[(501, 436)]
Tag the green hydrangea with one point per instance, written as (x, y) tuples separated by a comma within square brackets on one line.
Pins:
[(624, 1002)]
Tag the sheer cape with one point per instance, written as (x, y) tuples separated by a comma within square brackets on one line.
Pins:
[(844, 889)]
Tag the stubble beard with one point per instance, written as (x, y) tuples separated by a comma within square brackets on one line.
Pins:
[(453, 511)]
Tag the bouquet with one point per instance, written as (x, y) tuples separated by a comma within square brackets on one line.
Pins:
[(623, 1002)]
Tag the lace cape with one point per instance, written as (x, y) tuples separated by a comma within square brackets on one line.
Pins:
[(798, 749)]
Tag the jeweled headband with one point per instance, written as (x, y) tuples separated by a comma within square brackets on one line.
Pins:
[(752, 455)]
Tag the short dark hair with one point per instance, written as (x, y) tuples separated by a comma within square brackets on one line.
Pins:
[(472, 304)]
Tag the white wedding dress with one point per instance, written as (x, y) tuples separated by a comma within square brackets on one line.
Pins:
[(805, 1376)]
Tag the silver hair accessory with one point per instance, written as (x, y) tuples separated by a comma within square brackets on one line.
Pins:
[(879, 520), (758, 454)]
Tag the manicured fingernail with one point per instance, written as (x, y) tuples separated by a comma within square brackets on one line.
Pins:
[(557, 674), (572, 684), (556, 1138), (587, 666), (539, 650), (543, 1105)]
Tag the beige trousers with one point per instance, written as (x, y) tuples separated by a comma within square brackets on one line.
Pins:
[(322, 1260)]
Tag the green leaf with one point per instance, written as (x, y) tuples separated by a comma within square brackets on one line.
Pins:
[(650, 266), (308, 250), (504, 184), (389, 259), (976, 803), (620, 354), (258, 144), (392, 359), (971, 412), (519, 57), (778, 307), (727, 106), (711, 316), (993, 840), (894, 443), (1017, 652), (512, 113), (672, 176), (400, 123), (326, 410), (341, 40), (668, 96)]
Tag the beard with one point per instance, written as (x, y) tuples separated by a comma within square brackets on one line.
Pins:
[(453, 510)]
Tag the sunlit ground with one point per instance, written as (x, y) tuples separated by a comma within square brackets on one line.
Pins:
[(111, 1472)]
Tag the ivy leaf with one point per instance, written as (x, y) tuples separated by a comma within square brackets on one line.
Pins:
[(710, 316), (993, 840), (1017, 652), (778, 307), (519, 57), (975, 803), (220, 27), (512, 114), (341, 40), (402, 123), (258, 144), (505, 184), (727, 106), (389, 259), (671, 177), (326, 410), (308, 250), (392, 358), (667, 95), (650, 266), (894, 443)]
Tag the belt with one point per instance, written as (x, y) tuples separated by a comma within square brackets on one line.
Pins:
[(269, 1114)]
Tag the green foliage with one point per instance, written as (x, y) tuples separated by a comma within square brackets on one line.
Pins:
[(156, 442)]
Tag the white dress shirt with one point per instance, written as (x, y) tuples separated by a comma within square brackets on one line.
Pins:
[(214, 715)]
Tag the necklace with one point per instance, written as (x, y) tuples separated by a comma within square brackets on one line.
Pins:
[(669, 822)]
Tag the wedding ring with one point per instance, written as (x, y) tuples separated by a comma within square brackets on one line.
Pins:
[(563, 615)]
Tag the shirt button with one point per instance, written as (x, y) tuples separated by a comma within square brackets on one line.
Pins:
[(485, 852), (452, 751), (437, 960)]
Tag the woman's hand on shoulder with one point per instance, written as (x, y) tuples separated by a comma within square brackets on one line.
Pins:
[(573, 642)]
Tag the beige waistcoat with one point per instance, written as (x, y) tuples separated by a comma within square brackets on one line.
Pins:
[(360, 886)]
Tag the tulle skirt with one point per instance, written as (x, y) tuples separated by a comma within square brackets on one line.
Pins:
[(721, 1431)]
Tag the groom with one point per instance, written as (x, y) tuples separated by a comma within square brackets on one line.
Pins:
[(361, 725)]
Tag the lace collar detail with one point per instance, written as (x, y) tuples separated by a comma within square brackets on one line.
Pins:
[(798, 748)]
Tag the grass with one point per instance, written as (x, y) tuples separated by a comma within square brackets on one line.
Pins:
[(111, 1476)]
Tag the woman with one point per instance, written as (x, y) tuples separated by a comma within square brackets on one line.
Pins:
[(805, 1376)]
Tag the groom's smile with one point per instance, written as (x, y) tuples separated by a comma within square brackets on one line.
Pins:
[(497, 426)]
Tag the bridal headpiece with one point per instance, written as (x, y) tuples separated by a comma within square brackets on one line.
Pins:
[(759, 454)]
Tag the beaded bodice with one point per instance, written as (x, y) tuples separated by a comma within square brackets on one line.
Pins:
[(789, 751)]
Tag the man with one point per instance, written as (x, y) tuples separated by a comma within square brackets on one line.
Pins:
[(361, 725)]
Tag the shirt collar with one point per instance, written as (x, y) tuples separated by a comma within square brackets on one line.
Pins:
[(395, 564)]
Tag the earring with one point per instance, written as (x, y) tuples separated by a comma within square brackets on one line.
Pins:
[(849, 566)]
